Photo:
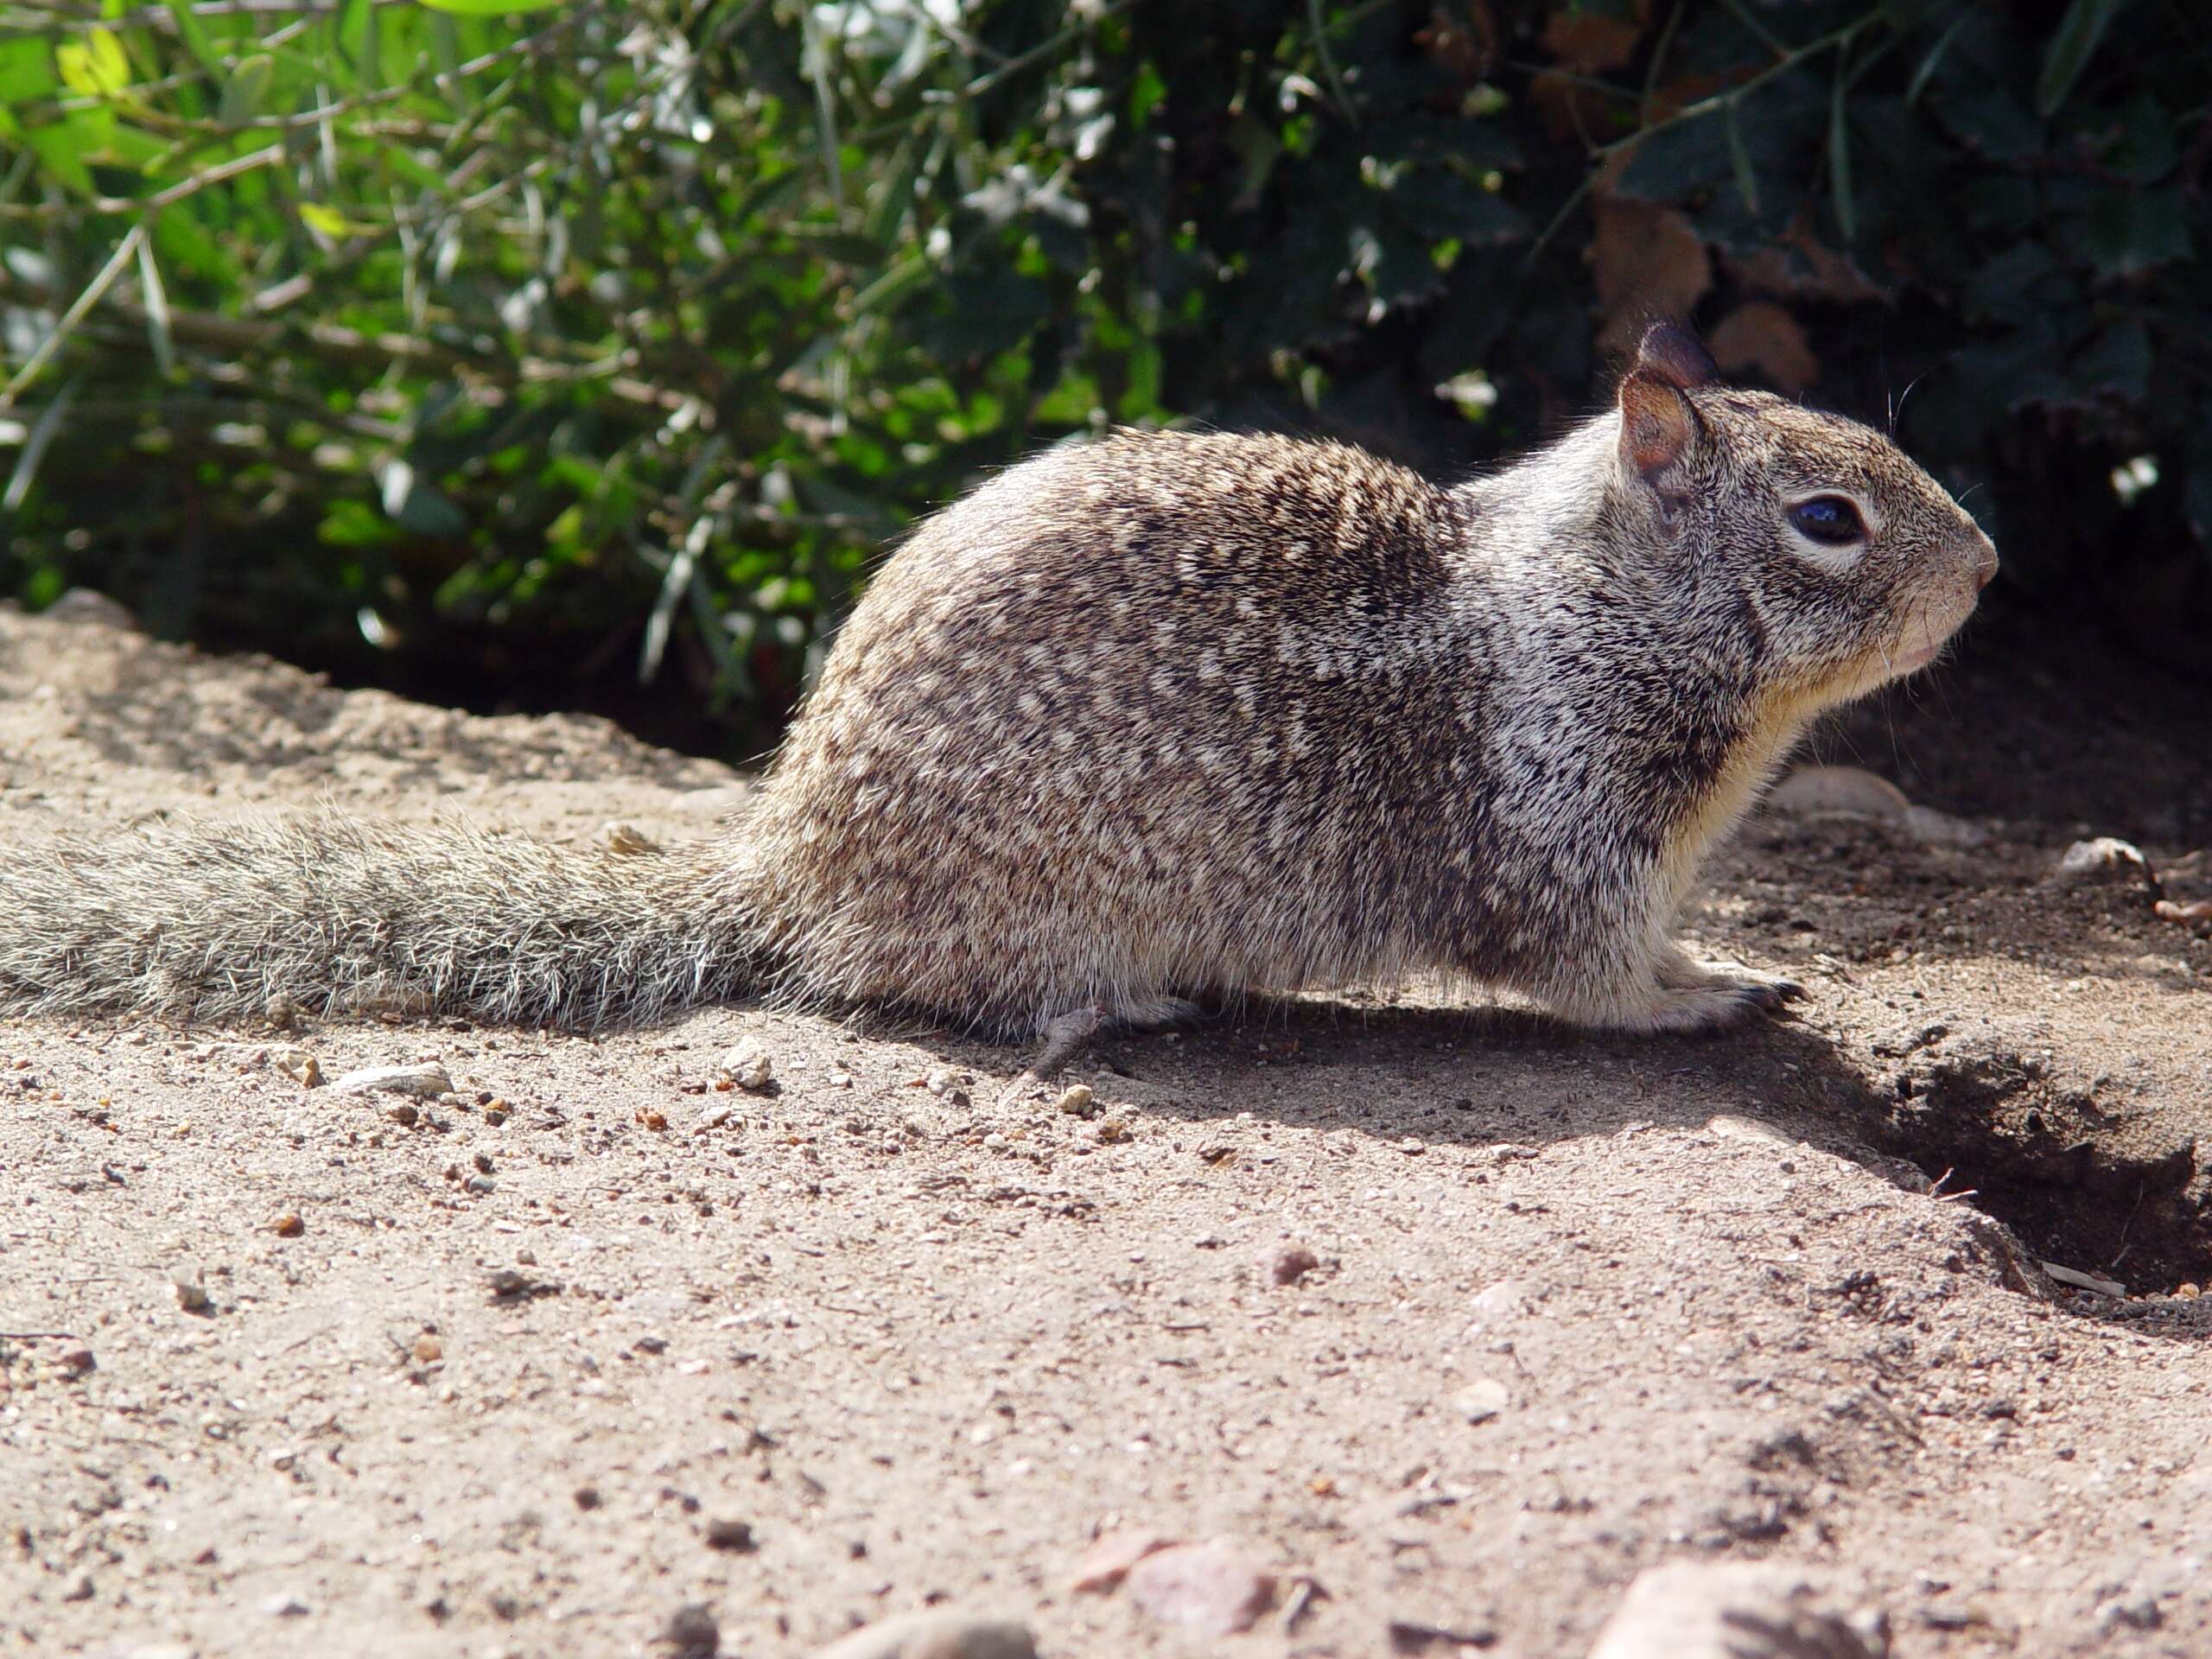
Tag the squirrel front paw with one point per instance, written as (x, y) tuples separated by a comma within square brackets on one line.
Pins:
[(1694, 997), (1718, 1004)]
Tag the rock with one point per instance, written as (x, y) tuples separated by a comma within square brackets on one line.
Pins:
[(2133, 1613), (940, 1634), (299, 1065), (2106, 858), (1076, 1101), (284, 1606), (1839, 791), (692, 1632), (941, 1083), (1854, 792), (1481, 1400), (191, 1290), (1108, 1561), (425, 1080), (1209, 1589), (1420, 1636), (1926, 825), (735, 1536), (749, 1066), (1763, 1609), (288, 1225), (1291, 1263), (1499, 1301), (89, 607)]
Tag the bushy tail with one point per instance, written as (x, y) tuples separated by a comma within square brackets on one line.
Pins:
[(323, 910)]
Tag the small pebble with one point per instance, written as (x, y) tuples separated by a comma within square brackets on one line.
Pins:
[(1291, 1263), (940, 1082), (2106, 858), (282, 1607), (692, 1632), (427, 1349), (78, 1361), (1108, 1561), (288, 1225), (299, 1065), (1481, 1400), (1077, 1101), (940, 1634), (425, 1080), (587, 1497), (733, 1536), (1210, 1589), (191, 1293), (749, 1066), (404, 1115)]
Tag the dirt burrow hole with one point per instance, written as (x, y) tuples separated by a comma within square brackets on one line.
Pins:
[(2082, 1179)]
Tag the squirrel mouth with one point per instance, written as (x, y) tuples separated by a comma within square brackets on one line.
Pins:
[(1924, 642)]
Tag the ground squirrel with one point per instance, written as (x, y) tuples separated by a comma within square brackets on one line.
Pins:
[(1159, 717)]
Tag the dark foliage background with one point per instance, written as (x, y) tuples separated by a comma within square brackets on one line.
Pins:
[(539, 352)]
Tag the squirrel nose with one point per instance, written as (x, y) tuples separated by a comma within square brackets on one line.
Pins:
[(1984, 564)]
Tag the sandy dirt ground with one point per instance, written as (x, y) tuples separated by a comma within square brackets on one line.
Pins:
[(596, 1356)]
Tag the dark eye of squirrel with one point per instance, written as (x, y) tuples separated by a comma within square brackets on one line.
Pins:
[(1828, 518)]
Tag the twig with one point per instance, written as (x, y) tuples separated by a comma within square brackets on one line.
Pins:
[(1726, 99), (126, 252), (1329, 70), (234, 337)]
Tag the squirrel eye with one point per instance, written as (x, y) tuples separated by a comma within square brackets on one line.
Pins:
[(1830, 519)]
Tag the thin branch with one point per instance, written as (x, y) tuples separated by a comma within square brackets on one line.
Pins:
[(1330, 73), (126, 252), (1835, 39), (234, 337)]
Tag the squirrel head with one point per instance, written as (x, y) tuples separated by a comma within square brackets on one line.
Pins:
[(1849, 565)]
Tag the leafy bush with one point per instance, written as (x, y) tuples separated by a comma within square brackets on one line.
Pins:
[(537, 344)]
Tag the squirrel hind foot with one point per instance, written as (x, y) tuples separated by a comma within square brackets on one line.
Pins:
[(1066, 1035)]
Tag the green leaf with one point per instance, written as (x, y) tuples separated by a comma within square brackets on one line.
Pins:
[(328, 220), (26, 71), (490, 8), (2071, 47), (247, 85), (193, 34), (360, 38), (1934, 60), (94, 67)]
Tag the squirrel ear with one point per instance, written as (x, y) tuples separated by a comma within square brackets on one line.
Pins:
[(1671, 352), (1657, 423), (1657, 426)]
